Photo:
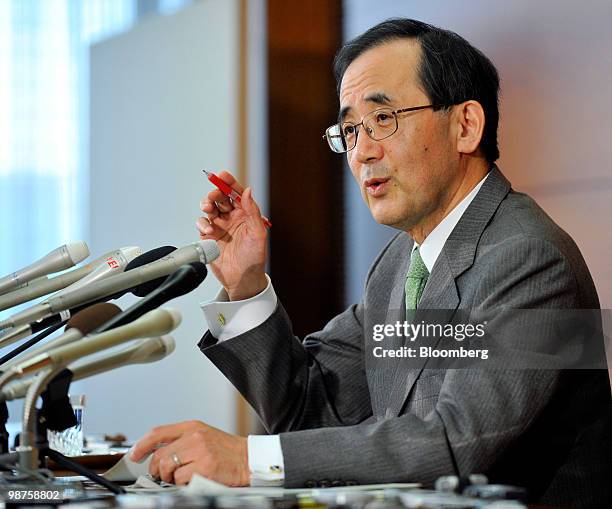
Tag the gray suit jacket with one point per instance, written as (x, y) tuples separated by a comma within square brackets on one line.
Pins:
[(342, 420)]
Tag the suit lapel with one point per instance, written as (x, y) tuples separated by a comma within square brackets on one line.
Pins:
[(440, 293)]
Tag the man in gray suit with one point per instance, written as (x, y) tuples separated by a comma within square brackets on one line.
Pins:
[(418, 122)]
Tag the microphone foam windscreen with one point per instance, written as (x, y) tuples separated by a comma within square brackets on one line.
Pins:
[(185, 279), (200, 269), (77, 251), (150, 256), (92, 317)]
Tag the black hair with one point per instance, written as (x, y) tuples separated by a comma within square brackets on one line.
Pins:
[(451, 70)]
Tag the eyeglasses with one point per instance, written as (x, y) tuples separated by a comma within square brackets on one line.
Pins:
[(378, 125)]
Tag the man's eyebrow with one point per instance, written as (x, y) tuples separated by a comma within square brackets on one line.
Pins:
[(377, 98), (343, 113)]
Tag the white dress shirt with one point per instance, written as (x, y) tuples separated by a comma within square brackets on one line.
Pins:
[(227, 319)]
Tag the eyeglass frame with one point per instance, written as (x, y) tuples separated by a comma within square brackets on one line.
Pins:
[(395, 113)]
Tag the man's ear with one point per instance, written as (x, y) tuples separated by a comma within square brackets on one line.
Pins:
[(469, 118)]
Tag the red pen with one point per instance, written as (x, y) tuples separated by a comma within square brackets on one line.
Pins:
[(227, 190)]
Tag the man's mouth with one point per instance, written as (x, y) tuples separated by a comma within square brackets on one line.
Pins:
[(376, 186)]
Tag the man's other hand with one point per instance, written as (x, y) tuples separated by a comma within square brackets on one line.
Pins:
[(241, 235), (192, 447)]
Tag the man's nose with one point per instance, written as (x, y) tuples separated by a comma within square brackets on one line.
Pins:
[(366, 149)]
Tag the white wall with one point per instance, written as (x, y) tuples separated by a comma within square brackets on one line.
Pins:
[(555, 62), (163, 105)]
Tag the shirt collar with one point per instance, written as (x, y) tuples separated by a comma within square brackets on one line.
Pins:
[(432, 246)]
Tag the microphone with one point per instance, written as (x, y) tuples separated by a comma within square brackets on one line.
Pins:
[(154, 323), (180, 282), (114, 264), (22, 331), (43, 286), (109, 267), (204, 251), (150, 256), (14, 334), (59, 259), (139, 290), (81, 324), (142, 352)]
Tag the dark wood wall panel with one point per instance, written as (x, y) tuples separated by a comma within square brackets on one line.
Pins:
[(306, 198)]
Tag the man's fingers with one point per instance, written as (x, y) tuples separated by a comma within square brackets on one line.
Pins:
[(229, 179), (214, 199), (208, 207), (225, 205), (252, 210), (204, 226), (184, 473), (180, 453), (155, 438), (166, 465), (209, 230)]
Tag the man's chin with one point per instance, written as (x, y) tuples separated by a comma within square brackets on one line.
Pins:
[(389, 220), (393, 220)]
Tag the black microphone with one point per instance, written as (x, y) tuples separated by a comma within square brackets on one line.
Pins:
[(86, 319), (183, 280), (23, 331), (141, 290), (145, 289)]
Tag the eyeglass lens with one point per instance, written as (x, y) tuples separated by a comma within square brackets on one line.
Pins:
[(378, 125)]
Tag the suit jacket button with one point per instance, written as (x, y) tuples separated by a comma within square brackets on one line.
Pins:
[(337, 483), (324, 483), (310, 484), (352, 483)]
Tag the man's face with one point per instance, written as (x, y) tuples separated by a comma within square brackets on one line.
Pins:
[(409, 177)]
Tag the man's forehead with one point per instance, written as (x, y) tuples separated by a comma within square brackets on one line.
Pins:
[(386, 71)]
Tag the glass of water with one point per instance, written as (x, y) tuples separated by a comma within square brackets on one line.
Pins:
[(70, 441)]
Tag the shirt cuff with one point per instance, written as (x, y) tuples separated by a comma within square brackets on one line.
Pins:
[(266, 462), (228, 319)]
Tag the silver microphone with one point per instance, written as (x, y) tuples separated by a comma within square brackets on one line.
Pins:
[(81, 324), (59, 259), (44, 286), (114, 264), (142, 352), (204, 251), (154, 323)]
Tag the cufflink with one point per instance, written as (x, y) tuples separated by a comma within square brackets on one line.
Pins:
[(221, 319), (275, 469)]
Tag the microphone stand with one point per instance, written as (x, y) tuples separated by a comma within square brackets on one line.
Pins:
[(32, 448), (4, 415)]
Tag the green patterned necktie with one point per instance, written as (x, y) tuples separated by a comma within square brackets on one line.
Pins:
[(415, 280)]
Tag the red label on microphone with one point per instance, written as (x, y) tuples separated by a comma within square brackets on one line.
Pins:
[(112, 263)]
